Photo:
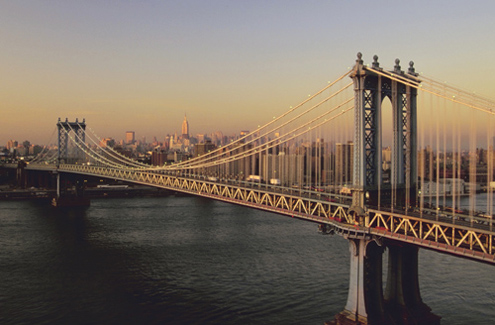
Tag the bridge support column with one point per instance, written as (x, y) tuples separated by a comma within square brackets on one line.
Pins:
[(365, 302), (58, 186), (70, 197), (402, 295), (21, 177)]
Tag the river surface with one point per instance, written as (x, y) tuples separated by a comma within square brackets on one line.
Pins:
[(188, 260)]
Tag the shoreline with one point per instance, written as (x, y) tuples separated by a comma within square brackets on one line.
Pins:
[(42, 194)]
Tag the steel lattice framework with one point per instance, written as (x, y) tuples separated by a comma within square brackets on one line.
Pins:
[(64, 128), (470, 240), (372, 86)]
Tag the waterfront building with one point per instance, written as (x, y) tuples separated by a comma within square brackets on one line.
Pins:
[(445, 186)]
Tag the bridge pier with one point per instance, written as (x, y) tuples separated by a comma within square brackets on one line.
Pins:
[(74, 196), (402, 295), (21, 177), (367, 303)]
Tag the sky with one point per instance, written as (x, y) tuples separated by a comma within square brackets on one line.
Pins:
[(229, 65)]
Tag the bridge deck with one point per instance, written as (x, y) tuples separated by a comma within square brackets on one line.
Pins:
[(443, 232)]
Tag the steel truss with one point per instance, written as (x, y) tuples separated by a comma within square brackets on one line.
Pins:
[(470, 242), (372, 85), (450, 238), (63, 138)]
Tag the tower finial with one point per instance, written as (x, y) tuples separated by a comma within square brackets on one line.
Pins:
[(359, 58), (411, 69), (375, 63), (397, 66)]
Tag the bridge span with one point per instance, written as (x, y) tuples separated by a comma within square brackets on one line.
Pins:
[(441, 231)]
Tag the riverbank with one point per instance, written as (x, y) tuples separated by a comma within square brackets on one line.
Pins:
[(46, 194)]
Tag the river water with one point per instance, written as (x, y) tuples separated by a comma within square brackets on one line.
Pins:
[(189, 260)]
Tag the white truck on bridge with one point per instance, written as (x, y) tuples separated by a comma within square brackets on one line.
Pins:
[(254, 178)]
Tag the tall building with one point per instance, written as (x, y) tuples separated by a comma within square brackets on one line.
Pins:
[(386, 158), (185, 128), (130, 137), (203, 148), (201, 137), (158, 157), (108, 142), (344, 156), (426, 164), (12, 144)]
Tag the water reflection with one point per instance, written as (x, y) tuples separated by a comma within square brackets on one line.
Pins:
[(190, 260)]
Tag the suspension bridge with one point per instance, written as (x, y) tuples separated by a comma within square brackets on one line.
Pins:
[(385, 158)]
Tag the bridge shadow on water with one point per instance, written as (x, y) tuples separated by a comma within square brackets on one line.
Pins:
[(166, 260)]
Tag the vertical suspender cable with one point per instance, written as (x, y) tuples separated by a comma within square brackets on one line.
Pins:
[(437, 185), (421, 162), (455, 188), (472, 166)]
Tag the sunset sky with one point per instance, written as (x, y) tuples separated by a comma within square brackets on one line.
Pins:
[(228, 65)]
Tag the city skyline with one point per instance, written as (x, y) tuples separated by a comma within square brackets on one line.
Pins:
[(230, 66), (130, 137)]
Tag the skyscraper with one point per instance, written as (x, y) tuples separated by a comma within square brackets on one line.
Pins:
[(344, 156), (130, 137), (12, 144), (185, 128)]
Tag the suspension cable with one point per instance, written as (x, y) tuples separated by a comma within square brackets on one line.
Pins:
[(274, 142), (417, 85), (232, 144), (95, 155), (123, 158), (226, 152)]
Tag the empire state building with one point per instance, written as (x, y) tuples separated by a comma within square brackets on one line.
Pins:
[(185, 128)]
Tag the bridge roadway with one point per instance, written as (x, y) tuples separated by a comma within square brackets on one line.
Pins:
[(461, 235)]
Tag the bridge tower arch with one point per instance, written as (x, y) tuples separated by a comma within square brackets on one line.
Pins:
[(371, 88), (64, 129)]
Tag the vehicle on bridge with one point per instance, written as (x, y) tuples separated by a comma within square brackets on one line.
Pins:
[(345, 191), (254, 178)]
